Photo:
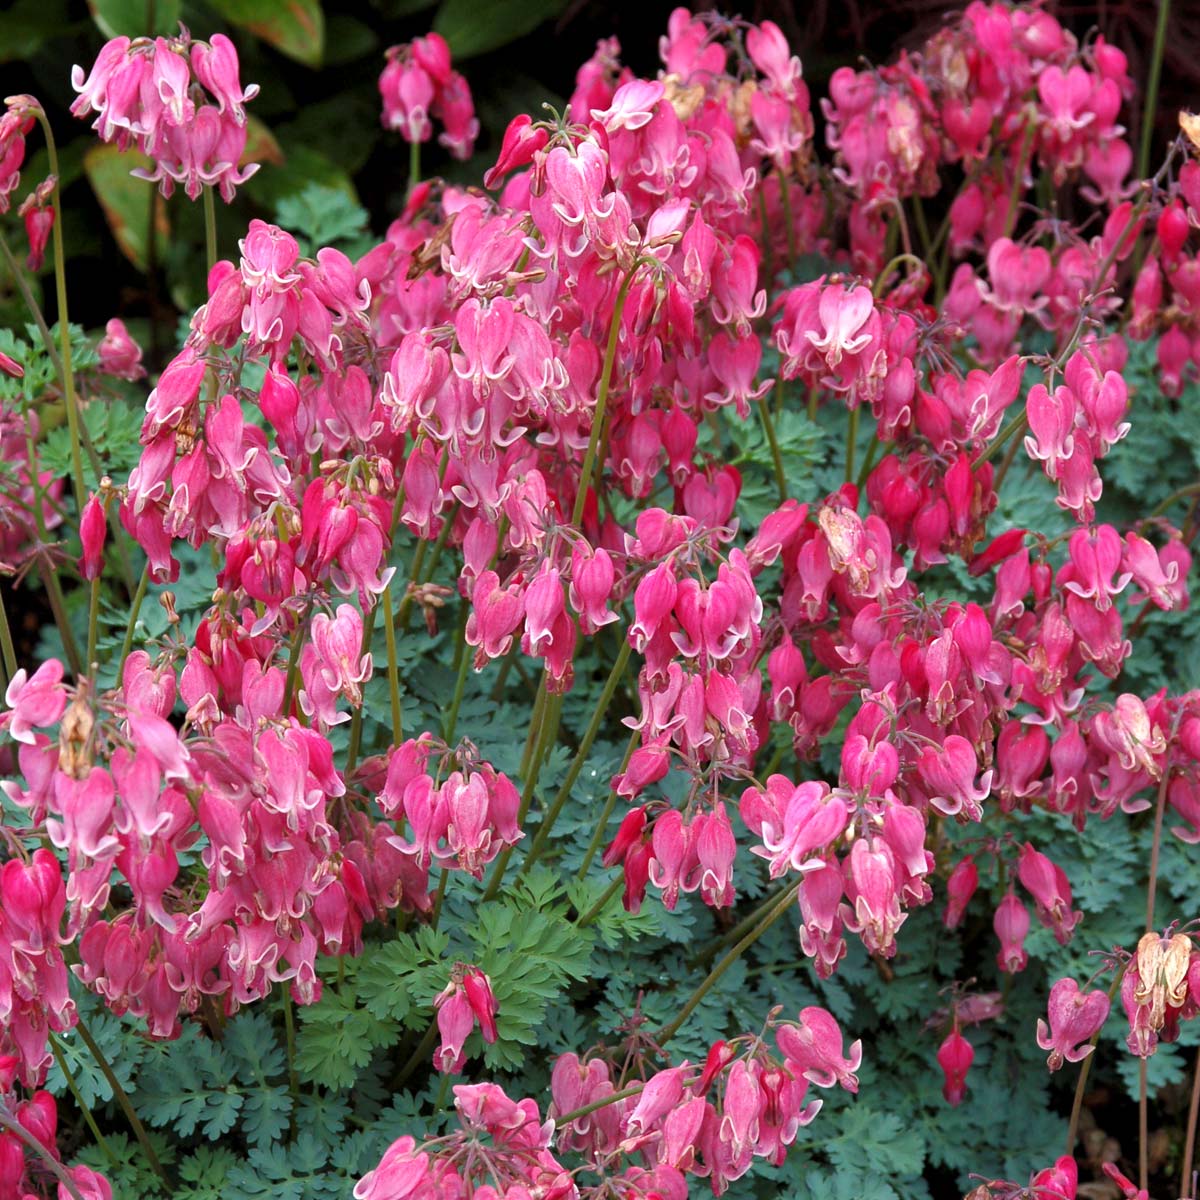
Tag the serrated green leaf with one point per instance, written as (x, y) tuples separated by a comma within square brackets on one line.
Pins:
[(337, 1038)]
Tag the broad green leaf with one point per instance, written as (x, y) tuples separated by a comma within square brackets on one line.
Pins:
[(127, 18), (472, 28), (125, 200), (294, 27)]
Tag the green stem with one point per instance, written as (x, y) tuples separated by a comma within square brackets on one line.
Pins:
[(785, 200), (747, 922), (135, 608), (882, 278), (418, 1055), (610, 356), (768, 257), (58, 607), (601, 904), (1143, 1129), (30, 1142), (1182, 494), (135, 1123), (602, 824), (210, 227), (769, 428), (1189, 1143), (1085, 1070), (782, 904), (389, 633), (439, 897), (93, 623), (542, 734), (868, 462), (289, 1033), (585, 746), (460, 682), (356, 719), (851, 443), (576, 1113), (1016, 425), (64, 329), (101, 1140), (414, 166), (6, 643), (1150, 108), (1014, 192)]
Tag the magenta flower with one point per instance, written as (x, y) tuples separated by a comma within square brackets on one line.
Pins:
[(1075, 1017)]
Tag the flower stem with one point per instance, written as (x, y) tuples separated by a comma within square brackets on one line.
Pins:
[(64, 329), (601, 904), (1151, 896), (1189, 1144), (414, 165), (420, 1053), (1014, 192), (1152, 883), (135, 1123), (781, 905), (785, 200), (210, 228), (764, 412), (747, 922), (357, 719), (602, 824), (93, 624), (55, 1167), (135, 608), (289, 1033), (389, 633), (851, 440), (604, 1102), (89, 1118), (439, 897), (542, 733), (1150, 108), (6, 643), (460, 683), (610, 356), (585, 746), (1085, 1070)]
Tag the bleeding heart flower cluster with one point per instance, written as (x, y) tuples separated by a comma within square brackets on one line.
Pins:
[(179, 101), (418, 84)]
